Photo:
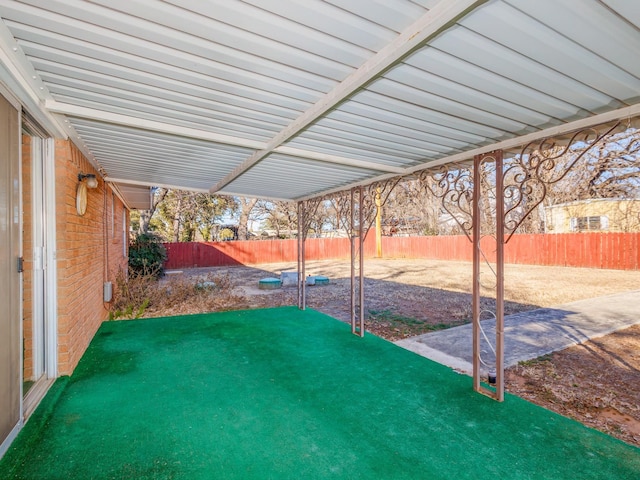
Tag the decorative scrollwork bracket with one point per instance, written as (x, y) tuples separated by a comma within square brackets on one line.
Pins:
[(453, 185), (528, 175)]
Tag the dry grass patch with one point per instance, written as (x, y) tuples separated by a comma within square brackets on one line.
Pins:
[(143, 295), (596, 383)]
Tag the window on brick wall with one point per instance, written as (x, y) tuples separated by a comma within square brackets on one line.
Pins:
[(588, 224), (125, 238), (113, 215)]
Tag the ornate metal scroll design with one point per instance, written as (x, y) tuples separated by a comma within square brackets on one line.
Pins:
[(382, 189), (308, 211), (341, 202), (453, 185), (528, 176), (356, 212), (488, 213)]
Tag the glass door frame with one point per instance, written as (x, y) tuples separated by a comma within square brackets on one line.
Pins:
[(44, 274)]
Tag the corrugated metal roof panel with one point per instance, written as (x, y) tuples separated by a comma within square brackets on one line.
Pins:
[(283, 176), (537, 42), (616, 27), (375, 140), (143, 110), (478, 50), (155, 158), (135, 196), (212, 94), (626, 10), (456, 71), (394, 15), (430, 91)]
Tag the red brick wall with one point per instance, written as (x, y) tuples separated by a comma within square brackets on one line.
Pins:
[(88, 254)]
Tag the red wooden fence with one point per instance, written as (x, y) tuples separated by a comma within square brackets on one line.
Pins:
[(620, 251), (596, 250), (252, 252)]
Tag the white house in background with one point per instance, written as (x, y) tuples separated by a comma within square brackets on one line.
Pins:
[(594, 215)]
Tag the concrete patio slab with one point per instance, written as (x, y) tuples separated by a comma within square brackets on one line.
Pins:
[(531, 334)]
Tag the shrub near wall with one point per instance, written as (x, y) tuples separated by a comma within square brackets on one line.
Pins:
[(90, 249)]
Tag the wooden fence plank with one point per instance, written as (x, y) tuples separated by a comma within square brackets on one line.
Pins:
[(596, 250)]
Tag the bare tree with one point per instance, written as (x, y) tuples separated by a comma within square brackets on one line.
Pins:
[(410, 209), (184, 216), (157, 196), (245, 207), (612, 170), (280, 216), (208, 211)]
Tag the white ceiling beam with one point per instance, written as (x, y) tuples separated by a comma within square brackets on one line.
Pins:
[(18, 74), (230, 193), (344, 188), (115, 188), (125, 181), (434, 22), (144, 124), (152, 125), (129, 182), (143, 183), (626, 113)]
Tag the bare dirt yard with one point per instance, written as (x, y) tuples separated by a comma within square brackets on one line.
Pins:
[(596, 383)]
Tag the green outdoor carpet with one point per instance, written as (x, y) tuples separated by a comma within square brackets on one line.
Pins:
[(286, 394)]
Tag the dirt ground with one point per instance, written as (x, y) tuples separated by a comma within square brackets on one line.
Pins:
[(596, 383)]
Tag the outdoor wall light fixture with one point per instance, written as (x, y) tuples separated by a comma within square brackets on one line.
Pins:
[(92, 181), (81, 191)]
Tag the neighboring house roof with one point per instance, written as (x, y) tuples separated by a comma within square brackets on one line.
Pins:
[(289, 100), (591, 201)]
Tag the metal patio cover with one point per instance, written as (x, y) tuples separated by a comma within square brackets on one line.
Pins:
[(288, 99)]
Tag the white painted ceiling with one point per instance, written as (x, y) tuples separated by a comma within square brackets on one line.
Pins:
[(290, 99)]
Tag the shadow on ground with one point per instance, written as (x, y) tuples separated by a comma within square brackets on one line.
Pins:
[(393, 309)]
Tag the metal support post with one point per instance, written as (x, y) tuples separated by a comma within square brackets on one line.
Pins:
[(476, 224), (361, 232), (478, 256), (299, 245), (522, 181), (352, 229), (302, 297), (378, 223), (500, 274)]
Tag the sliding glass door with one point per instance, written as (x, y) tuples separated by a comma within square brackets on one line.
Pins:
[(10, 351)]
